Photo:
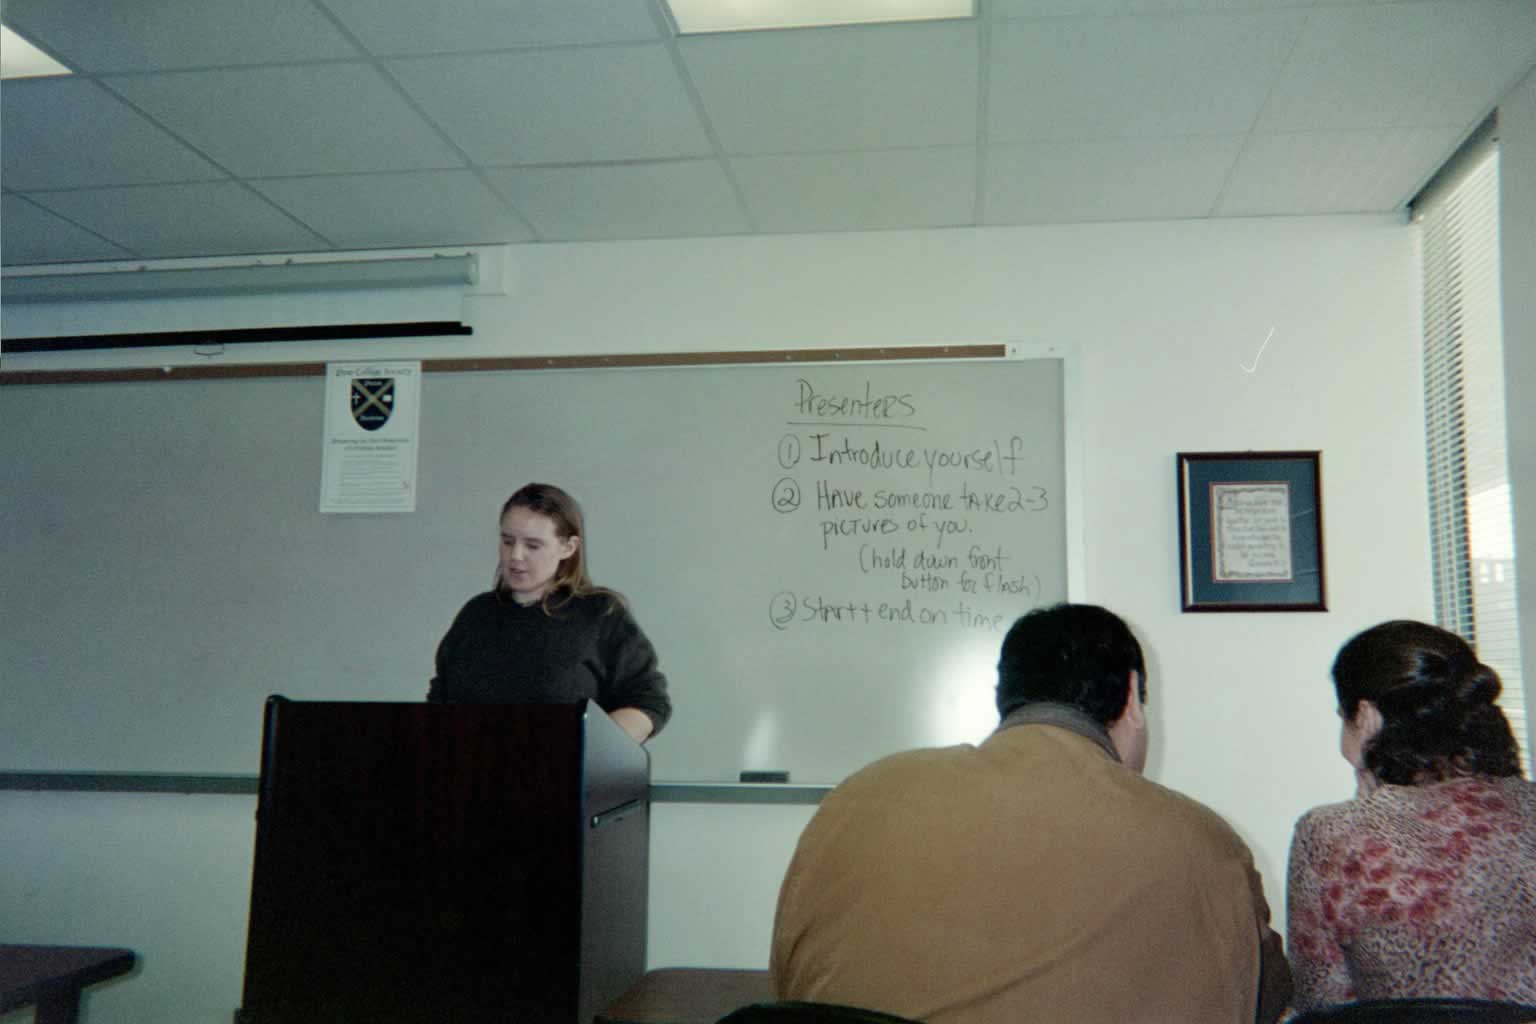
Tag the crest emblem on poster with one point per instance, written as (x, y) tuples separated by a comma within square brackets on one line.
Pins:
[(373, 399)]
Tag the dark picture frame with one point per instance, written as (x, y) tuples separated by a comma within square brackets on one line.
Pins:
[(1251, 532)]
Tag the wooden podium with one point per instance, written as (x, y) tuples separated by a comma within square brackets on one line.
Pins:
[(445, 863)]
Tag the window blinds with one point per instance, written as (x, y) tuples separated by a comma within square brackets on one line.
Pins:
[(1472, 537)]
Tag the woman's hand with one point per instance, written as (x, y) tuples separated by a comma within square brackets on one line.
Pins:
[(634, 722)]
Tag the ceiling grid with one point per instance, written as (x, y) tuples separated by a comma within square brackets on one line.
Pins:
[(230, 127)]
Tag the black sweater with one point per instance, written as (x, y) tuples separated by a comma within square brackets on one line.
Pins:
[(500, 652)]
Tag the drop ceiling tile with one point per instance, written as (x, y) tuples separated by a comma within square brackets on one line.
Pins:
[(34, 235), (1114, 179), (1334, 172), (183, 220), (558, 106), (44, 120), (1011, 9), (1363, 3), (396, 27), (1403, 65), (307, 119), (362, 211), (661, 200), (838, 89), (114, 35), (864, 191), (1066, 79)]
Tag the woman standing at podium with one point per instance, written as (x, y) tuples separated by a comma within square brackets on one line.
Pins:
[(546, 634)]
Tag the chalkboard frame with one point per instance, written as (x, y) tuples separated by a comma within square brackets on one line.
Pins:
[(490, 364)]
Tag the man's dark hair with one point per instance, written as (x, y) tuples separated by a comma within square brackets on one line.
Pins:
[(1077, 654)]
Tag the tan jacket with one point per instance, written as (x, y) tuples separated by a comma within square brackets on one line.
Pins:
[(1031, 879)]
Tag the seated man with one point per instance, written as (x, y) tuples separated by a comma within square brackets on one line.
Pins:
[(1037, 877)]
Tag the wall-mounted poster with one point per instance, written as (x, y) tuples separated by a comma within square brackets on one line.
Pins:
[(372, 419)]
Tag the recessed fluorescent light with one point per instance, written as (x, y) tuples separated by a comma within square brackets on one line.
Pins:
[(20, 59), (697, 16)]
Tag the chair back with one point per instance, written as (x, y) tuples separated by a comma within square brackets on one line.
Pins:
[(796, 1012), (1421, 1011)]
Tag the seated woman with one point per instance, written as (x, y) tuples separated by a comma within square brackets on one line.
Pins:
[(1424, 885)]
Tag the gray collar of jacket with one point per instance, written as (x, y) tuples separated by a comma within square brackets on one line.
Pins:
[(1062, 716)]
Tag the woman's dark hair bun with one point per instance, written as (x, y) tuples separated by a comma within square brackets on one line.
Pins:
[(1415, 701), (1479, 686), (1436, 701)]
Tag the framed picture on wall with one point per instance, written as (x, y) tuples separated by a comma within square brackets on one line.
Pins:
[(1251, 532)]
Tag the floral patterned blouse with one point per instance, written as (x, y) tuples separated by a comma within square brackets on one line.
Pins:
[(1416, 891)]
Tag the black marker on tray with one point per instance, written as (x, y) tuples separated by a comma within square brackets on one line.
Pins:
[(765, 776)]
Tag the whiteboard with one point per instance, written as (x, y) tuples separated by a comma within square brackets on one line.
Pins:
[(825, 557)]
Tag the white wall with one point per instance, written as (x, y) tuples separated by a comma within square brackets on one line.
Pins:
[(1164, 316), (1517, 241)]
